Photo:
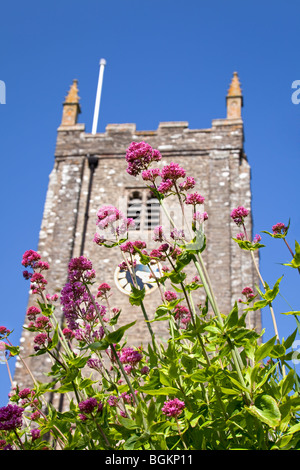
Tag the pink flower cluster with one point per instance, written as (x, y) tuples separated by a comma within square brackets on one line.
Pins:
[(151, 174), (169, 175), (169, 295), (4, 331), (194, 199), (239, 214), (172, 172), (129, 247), (130, 356), (10, 417), (109, 216), (279, 228), (139, 156), (88, 406), (33, 259), (200, 216), (248, 293), (81, 268), (182, 314), (103, 289), (173, 408)]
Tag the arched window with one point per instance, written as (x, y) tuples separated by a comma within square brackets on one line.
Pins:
[(143, 207), (134, 208), (152, 212)]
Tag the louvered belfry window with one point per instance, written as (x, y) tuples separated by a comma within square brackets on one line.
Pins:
[(143, 208)]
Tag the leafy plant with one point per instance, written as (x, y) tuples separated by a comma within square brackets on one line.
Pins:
[(214, 385)]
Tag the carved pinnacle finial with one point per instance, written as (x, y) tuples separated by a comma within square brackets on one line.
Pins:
[(71, 106), (235, 87), (72, 96), (234, 99)]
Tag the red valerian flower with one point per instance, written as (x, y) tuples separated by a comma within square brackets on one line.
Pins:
[(239, 214), (173, 407)]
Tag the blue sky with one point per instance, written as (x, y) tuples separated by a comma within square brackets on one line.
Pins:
[(167, 60)]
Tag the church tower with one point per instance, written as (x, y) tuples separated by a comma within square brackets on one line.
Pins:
[(90, 171)]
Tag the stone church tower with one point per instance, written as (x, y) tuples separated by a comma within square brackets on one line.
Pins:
[(90, 171)]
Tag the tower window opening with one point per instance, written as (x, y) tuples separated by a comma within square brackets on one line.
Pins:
[(143, 207)]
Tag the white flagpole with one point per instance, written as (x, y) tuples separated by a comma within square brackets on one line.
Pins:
[(98, 96)]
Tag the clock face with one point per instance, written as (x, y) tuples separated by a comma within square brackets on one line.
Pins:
[(143, 277)]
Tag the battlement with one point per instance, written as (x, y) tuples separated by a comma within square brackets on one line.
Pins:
[(169, 136)]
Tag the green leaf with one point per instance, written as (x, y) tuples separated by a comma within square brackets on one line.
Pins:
[(295, 263), (264, 350), (114, 319), (54, 341), (151, 413), (164, 379), (198, 244), (277, 351), (257, 305), (290, 340), (161, 311), (116, 336), (270, 294), (183, 260), (292, 312), (266, 410), (294, 429), (288, 383), (14, 350), (98, 345), (136, 297), (160, 391), (232, 318), (127, 422), (248, 246), (131, 442)]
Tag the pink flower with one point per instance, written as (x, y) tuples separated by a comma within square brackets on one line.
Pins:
[(257, 239), (239, 214), (4, 330), (103, 289), (139, 156), (172, 172), (130, 356), (107, 215), (112, 400), (200, 216), (127, 247), (169, 295), (40, 339), (173, 407), (35, 434), (69, 334), (98, 239), (182, 314), (151, 175), (194, 198), (38, 283), (30, 257), (279, 228), (88, 405), (248, 293), (165, 186), (158, 234), (189, 183), (32, 312), (240, 236)]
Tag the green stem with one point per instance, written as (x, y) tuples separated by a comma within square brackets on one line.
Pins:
[(134, 282), (209, 292)]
